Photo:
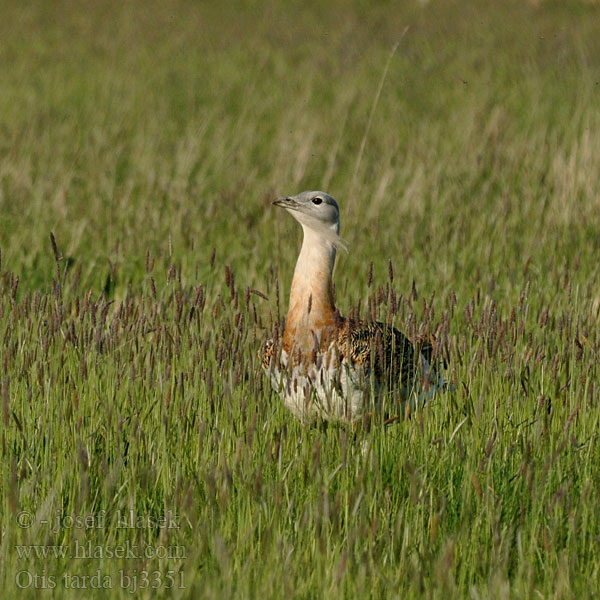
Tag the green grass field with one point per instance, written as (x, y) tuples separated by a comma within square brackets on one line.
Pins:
[(149, 139)]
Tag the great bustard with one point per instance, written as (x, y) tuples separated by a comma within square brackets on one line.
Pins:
[(327, 367)]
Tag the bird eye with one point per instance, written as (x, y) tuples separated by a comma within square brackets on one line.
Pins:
[(317, 200)]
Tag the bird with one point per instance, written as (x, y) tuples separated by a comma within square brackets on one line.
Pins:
[(327, 367)]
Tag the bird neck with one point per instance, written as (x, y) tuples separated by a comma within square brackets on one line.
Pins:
[(311, 311)]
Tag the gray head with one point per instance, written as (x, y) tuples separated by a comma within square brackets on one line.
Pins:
[(317, 211)]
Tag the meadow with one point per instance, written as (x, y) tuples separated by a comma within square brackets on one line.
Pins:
[(142, 266)]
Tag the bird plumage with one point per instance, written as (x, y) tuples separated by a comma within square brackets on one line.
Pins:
[(325, 366)]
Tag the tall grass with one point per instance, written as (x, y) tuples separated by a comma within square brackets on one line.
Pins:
[(141, 269)]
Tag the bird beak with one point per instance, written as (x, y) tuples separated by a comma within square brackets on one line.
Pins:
[(288, 203)]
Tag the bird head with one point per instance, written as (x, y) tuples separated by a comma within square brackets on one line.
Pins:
[(316, 211)]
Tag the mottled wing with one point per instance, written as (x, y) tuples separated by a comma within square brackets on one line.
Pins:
[(267, 353), (383, 348)]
